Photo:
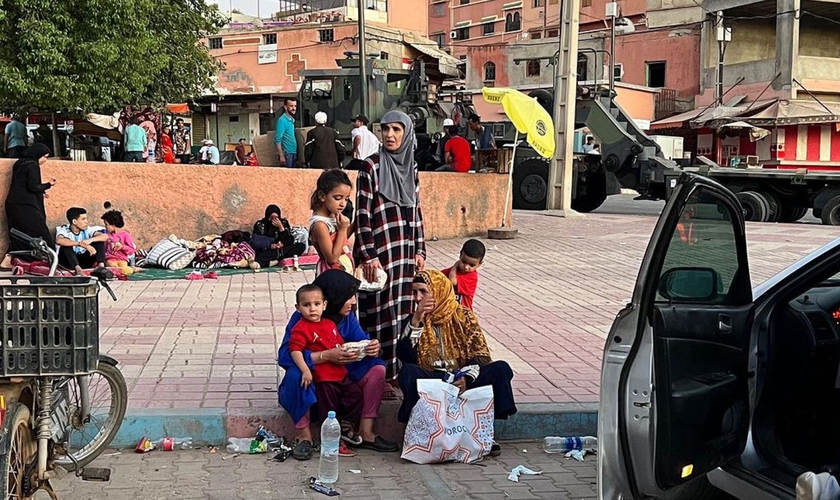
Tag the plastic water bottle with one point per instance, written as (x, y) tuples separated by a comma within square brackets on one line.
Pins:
[(564, 444), (330, 437)]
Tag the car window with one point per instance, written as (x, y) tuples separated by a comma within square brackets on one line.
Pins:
[(704, 238)]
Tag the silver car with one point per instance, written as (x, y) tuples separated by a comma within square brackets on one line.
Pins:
[(709, 385)]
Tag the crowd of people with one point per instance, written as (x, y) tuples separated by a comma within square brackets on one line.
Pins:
[(420, 323)]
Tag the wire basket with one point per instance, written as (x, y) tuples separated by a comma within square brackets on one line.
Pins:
[(50, 326)]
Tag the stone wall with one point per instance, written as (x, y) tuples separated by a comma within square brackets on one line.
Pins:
[(192, 201)]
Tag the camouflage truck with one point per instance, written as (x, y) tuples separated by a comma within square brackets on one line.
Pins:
[(337, 93)]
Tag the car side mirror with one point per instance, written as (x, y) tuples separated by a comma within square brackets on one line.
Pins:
[(690, 284)]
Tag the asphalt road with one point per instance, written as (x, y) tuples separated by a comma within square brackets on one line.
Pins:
[(623, 204)]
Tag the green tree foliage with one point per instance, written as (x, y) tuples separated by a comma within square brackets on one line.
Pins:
[(99, 55)]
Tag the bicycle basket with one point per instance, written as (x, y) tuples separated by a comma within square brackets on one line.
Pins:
[(50, 326)]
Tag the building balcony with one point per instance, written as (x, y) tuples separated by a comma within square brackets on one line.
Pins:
[(330, 11)]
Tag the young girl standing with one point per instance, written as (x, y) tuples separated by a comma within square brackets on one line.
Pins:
[(329, 228)]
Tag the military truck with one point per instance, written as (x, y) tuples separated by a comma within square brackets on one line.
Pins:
[(336, 92)]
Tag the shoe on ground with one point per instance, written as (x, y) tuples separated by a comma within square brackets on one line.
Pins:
[(495, 450), (302, 450), (381, 445), (344, 450)]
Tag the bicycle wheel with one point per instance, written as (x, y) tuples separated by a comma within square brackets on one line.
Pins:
[(108, 401), (22, 450)]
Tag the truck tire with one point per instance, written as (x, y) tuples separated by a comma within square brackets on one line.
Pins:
[(830, 215), (773, 204), (596, 194), (530, 185), (791, 214), (754, 205)]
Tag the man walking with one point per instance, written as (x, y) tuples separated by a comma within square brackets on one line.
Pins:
[(135, 142), (284, 137), (15, 141), (365, 142), (239, 151), (323, 149)]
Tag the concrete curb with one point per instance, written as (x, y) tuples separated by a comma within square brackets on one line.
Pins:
[(212, 426)]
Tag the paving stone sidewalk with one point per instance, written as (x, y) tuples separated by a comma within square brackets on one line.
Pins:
[(546, 300), (199, 474)]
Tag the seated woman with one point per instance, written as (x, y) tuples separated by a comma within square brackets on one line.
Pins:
[(273, 239), (339, 290), (444, 337)]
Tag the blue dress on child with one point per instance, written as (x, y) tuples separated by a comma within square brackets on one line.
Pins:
[(295, 399)]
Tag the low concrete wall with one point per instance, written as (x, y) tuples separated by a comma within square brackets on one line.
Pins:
[(193, 201)]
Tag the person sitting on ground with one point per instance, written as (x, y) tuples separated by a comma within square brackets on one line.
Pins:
[(483, 134), (322, 148), (329, 229), (120, 249), (464, 273), (334, 389), (458, 155), (80, 245), (273, 240), (443, 337), (209, 153), (368, 373)]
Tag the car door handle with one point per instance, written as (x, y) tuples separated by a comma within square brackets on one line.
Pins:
[(725, 323)]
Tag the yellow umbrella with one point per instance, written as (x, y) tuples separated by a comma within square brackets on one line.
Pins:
[(529, 117)]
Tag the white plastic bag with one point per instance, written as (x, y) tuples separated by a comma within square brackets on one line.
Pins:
[(446, 427)]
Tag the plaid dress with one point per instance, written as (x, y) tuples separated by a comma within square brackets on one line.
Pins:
[(394, 235)]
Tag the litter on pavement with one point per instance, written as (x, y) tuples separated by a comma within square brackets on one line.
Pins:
[(576, 454), (521, 469), (321, 488)]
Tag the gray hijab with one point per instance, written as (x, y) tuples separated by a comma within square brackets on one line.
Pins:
[(396, 169)]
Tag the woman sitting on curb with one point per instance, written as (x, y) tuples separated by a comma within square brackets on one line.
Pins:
[(339, 290), (444, 337)]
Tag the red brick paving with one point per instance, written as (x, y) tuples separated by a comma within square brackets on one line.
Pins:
[(546, 298)]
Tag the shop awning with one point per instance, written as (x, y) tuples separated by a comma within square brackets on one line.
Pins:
[(448, 65)]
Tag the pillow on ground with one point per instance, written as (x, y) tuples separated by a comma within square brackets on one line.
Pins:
[(169, 255)]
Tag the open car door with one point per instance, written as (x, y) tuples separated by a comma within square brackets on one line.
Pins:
[(674, 391)]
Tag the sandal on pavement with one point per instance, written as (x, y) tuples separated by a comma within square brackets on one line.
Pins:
[(303, 450), (381, 445), (348, 435), (495, 450), (344, 450), (195, 275), (212, 275)]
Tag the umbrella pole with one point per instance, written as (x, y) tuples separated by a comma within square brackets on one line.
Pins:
[(510, 178)]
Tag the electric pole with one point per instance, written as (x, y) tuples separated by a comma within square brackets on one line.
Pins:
[(363, 90), (561, 171)]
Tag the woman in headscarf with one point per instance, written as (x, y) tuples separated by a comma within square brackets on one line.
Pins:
[(273, 239), (442, 337), (389, 233), (339, 289), (25, 203)]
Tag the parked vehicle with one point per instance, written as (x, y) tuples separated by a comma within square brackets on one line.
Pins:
[(61, 402), (709, 384)]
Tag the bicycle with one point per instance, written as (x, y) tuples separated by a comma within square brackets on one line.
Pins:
[(51, 374)]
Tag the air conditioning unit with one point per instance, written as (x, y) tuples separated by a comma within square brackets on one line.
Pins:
[(453, 34)]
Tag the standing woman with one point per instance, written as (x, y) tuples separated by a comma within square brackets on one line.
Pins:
[(389, 233), (25, 203)]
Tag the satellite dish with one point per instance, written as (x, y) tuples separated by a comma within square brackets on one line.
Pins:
[(624, 26)]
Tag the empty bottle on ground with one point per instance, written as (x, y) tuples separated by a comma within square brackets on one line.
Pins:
[(330, 437), (564, 444)]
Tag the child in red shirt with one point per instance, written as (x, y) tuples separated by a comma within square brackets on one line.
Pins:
[(333, 390), (464, 273)]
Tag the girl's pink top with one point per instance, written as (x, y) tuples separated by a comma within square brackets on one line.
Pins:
[(128, 247)]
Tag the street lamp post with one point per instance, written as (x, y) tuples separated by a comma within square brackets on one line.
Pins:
[(363, 89)]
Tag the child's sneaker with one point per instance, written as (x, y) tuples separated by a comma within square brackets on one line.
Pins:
[(344, 450)]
